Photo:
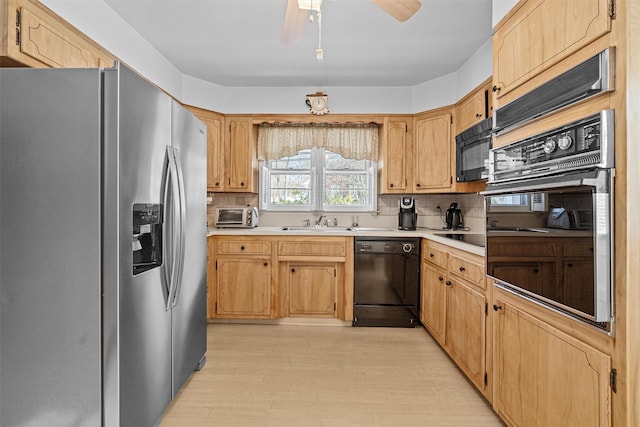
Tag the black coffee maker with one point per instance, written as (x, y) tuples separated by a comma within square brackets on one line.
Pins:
[(407, 216), (454, 217)]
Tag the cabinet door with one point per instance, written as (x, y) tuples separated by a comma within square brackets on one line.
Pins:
[(215, 147), (433, 304), (41, 39), (312, 290), (241, 157), (211, 278), (433, 145), (465, 333), (243, 288), (395, 157), (471, 110), (540, 34), (543, 377)]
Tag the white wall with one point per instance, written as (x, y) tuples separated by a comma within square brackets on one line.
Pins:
[(499, 9), (102, 24)]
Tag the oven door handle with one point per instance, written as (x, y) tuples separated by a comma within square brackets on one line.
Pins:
[(593, 178)]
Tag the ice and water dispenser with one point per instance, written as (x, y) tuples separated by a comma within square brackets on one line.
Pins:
[(147, 237)]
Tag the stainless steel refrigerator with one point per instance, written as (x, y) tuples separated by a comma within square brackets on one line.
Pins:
[(102, 247)]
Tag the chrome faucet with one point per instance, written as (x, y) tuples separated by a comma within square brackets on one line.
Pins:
[(319, 220)]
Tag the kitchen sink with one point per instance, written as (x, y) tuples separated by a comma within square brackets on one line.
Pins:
[(333, 229), (316, 229)]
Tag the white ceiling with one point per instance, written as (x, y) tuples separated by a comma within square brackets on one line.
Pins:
[(237, 42)]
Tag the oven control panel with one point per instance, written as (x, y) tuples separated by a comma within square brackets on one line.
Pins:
[(582, 144)]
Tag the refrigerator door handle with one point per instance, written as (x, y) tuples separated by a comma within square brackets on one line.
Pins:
[(172, 187), (182, 227)]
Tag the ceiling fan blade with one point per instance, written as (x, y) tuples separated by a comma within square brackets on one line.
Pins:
[(399, 9), (294, 21)]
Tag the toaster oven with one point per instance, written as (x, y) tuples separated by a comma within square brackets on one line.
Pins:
[(237, 217)]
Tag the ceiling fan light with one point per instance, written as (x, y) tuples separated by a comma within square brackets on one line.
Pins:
[(310, 4)]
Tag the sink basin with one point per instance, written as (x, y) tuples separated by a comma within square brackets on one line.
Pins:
[(316, 229), (333, 229), (537, 230), (370, 229)]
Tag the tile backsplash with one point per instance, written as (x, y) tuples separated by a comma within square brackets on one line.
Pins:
[(472, 206)]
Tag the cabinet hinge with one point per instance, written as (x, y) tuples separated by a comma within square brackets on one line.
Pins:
[(451, 118), (18, 25), (486, 310), (334, 306), (612, 9), (613, 380), (486, 379), (216, 264), (334, 273)]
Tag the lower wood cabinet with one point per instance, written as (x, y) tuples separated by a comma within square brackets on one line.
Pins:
[(454, 309), (244, 287), (312, 289), (544, 377), (268, 277), (242, 282)]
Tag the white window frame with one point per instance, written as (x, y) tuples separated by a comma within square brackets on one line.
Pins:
[(318, 174)]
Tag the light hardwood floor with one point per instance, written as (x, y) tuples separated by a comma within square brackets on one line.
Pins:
[(320, 376)]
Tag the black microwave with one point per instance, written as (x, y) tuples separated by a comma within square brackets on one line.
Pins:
[(472, 152)]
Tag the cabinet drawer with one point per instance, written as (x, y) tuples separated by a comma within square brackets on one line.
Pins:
[(435, 255), (578, 249), (249, 247), (470, 271), (312, 248)]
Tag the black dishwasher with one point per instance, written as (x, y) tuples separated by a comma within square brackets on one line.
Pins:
[(386, 282)]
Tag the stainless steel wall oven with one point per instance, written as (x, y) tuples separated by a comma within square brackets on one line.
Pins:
[(549, 219)]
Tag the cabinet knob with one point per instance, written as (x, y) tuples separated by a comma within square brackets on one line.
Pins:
[(242, 184), (217, 184), (461, 268), (535, 270), (293, 270), (391, 185), (431, 255), (441, 278), (448, 283), (497, 307), (242, 248), (569, 265), (266, 264), (417, 184), (495, 89), (478, 115)]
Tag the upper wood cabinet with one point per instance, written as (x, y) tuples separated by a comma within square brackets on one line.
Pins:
[(395, 155), (433, 147), (544, 377), (241, 161), (33, 36), (215, 147), (540, 33), (472, 109)]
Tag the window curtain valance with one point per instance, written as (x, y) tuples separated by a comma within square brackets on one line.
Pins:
[(351, 140)]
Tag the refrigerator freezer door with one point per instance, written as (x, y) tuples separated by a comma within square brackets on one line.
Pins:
[(50, 245), (137, 130), (189, 304)]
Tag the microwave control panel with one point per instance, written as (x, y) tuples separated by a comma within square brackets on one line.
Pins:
[(578, 145)]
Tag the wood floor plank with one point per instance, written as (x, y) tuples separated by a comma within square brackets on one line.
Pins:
[(315, 376)]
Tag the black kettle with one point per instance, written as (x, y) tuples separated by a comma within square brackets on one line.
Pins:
[(454, 217)]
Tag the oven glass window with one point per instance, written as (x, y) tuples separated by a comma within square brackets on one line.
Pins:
[(546, 249)]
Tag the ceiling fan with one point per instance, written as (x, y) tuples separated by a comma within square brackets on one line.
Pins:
[(298, 12)]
